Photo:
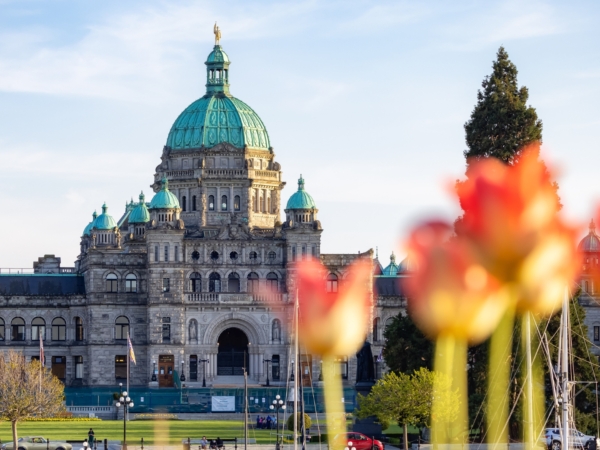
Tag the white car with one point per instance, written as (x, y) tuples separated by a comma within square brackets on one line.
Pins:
[(577, 439)]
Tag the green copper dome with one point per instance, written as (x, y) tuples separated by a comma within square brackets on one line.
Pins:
[(301, 199), (164, 199), (140, 213), (392, 269), (218, 117), (104, 221), (89, 226)]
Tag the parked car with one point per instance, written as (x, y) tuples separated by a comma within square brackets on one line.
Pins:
[(37, 443), (577, 439), (359, 441)]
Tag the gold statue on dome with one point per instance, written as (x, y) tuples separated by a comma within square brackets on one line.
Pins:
[(217, 32)]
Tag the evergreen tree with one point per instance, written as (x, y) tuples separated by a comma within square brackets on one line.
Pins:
[(501, 123), (406, 349)]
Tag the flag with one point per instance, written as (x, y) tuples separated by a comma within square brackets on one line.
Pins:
[(42, 358), (131, 354), (380, 357)]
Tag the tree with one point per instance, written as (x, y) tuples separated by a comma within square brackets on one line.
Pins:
[(27, 390), (408, 399), (406, 349), (501, 123)]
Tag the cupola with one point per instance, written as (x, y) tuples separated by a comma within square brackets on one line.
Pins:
[(104, 221), (104, 229), (301, 207), (88, 228), (590, 243), (392, 269), (164, 206), (138, 217)]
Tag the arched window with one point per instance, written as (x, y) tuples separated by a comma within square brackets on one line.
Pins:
[(254, 203), (332, 283), (38, 328), (78, 329), (234, 282), (253, 282), (193, 203), (236, 203), (17, 329), (253, 256), (121, 327), (272, 282), (214, 255), (2, 330), (224, 205), (276, 330), (388, 322), (272, 256), (262, 204), (111, 282), (196, 282), (269, 205), (59, 329), (211, 202), (376, 321), (214, 282), (184, 203), (584, 286), (130, 283)]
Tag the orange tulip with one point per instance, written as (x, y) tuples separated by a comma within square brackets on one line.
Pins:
[(333, 323), (451, 294), (511, 216)]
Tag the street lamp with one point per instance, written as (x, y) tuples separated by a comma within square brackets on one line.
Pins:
[(204, 361), (277, 405), (126, 403), (267, 361), (153, 370)]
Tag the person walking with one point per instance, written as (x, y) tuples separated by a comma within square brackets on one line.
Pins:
[(91, 439)]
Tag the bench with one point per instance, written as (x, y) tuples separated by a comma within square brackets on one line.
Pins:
[(187, 443)]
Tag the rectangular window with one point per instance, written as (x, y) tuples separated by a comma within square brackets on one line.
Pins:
[(156, 253), (166, 329), (293, 254), (166, 284), (79, 367), (166, 253), (176, 253), (342, 366), (314, 251), (304, 252), (36, 330), (194, 203), (275, 373), (59, 367), (193, 368), (596, 334), (121, 367)]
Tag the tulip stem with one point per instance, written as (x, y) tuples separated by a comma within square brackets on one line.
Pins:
[(449, 420), (534, 400), (334, 406), (499, 368)]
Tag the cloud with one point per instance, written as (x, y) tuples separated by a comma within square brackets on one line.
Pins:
[(133, 56)]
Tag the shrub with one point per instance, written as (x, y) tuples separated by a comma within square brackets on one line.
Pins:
[(290, 422)]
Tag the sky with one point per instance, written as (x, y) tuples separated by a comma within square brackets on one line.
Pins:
[(367, 100)]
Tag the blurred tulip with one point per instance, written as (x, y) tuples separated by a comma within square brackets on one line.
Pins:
[(511, 217), (333, 323), (451, 293)]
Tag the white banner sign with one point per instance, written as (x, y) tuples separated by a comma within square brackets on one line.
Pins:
[(223, 403)]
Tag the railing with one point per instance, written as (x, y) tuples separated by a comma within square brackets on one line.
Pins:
[(224, 297), (217, 173), (180, 173), (264, 174), (29, 270)]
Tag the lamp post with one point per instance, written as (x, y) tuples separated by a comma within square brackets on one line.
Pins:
[(126, 403), (204, 362), (267, 361), (277, 405), (153, 371)]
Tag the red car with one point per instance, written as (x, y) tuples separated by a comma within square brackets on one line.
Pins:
[(358, 441)]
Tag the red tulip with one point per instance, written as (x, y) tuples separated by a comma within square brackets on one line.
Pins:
[(333, 323)]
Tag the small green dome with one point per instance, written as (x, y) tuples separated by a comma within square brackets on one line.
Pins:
[(392, 269), (301, 199), (164, 199), (89, 226), (104, 221), (218, 117), (140, 213)]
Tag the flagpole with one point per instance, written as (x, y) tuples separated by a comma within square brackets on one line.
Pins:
[(41, 359), (128, 358)]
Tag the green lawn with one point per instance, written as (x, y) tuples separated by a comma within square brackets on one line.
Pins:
[(161, 432)]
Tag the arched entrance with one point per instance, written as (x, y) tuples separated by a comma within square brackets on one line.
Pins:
[(233, 352)]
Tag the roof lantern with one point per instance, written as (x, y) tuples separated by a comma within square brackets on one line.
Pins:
[(164, 199), (140, 213), (88, 228), (218, 116), (590, 243), (104, 221), (301, 199)]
